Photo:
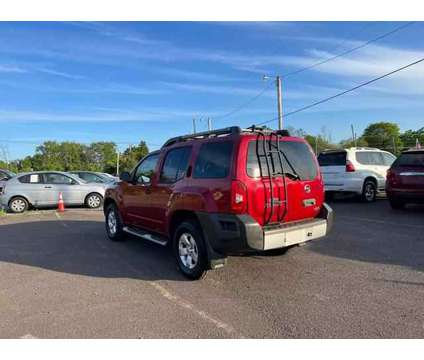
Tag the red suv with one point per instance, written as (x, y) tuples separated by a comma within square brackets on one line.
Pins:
[(405, 179), (220, 192)]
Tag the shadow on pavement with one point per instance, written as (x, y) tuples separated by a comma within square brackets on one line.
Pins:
[(375, 233), (81, 247)]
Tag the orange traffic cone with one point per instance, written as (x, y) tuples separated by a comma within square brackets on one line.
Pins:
[(61, 204)]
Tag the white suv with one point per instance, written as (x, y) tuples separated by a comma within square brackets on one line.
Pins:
[(359, 170)]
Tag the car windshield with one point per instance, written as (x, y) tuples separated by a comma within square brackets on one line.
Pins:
[(6, 174)]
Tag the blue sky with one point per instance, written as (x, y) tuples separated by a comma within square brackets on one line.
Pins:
[(125, 82)]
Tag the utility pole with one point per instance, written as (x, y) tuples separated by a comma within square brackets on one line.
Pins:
[(394, 145), (353, 135), (117, 162), (194, 125), (280, 103), (209, 124), (316, 145)]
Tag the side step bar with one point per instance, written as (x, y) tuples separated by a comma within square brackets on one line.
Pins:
[(146, 235)]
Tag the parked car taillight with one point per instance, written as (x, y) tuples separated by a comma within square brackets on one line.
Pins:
[(391, 176), (349, 166), (238, 197)]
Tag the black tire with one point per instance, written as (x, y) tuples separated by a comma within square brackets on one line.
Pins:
[(369, 191), (192, 234), (329, 196), (18, 205), (93, 200), (276, 252), (396, 204), (117, 233)]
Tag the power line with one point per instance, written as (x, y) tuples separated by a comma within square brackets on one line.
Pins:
[(349, 51), (346, 91), (250, 101), (245, 104)]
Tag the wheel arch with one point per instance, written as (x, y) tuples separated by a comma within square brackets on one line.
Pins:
[(107, 202), (178, 216), (370, 178)]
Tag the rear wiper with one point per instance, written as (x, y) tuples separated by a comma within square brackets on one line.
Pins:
[(294, 174)]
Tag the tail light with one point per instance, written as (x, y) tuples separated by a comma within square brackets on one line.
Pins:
[(391, 176), (349, 166), (238, 197)]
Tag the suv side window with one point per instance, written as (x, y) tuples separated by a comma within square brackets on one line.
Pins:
[(213, 160), (388, 159), (175, 165), (376, 158), (363, 157), (144, 172)]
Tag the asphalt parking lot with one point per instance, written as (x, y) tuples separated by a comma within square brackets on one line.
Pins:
[(62, 278)]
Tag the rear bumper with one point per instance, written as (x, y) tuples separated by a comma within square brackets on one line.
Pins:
[(413, 196), (228, 233)]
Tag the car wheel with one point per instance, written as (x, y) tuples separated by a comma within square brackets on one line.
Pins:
[(94, 201), (396, 204), (18, 205), (369, 191), (190, 251), (113, 223)]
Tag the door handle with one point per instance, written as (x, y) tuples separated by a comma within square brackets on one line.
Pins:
[(47, 187)]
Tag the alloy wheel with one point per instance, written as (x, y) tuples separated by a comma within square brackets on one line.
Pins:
[(111, 222), (188, 251)]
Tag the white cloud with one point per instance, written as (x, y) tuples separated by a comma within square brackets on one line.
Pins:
[(12, 69), (60, 73)]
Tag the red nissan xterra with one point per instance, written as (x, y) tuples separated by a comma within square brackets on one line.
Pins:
[(220, 192)]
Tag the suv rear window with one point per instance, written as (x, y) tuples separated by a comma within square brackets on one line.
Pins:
[(299, 160), (410, 159), (332, 159), (213, 160)]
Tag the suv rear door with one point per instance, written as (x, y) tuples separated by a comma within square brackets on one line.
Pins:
[(409, 170), (333, 167), (302, 181)]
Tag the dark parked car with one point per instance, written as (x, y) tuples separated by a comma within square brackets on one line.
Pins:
[(221, 192), (405, 179)]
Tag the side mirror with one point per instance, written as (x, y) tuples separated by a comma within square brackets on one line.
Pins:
[(125, 176), (146, 180)]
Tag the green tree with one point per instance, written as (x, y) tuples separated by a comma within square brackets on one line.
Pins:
[(132, 155), (383, 135), (319, 143), (409, 138), (101, 156), (348, 143)]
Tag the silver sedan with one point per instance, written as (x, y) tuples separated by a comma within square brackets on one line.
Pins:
[(42, 189)]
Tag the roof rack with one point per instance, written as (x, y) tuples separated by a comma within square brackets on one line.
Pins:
[(225, 131), (205, 134)]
